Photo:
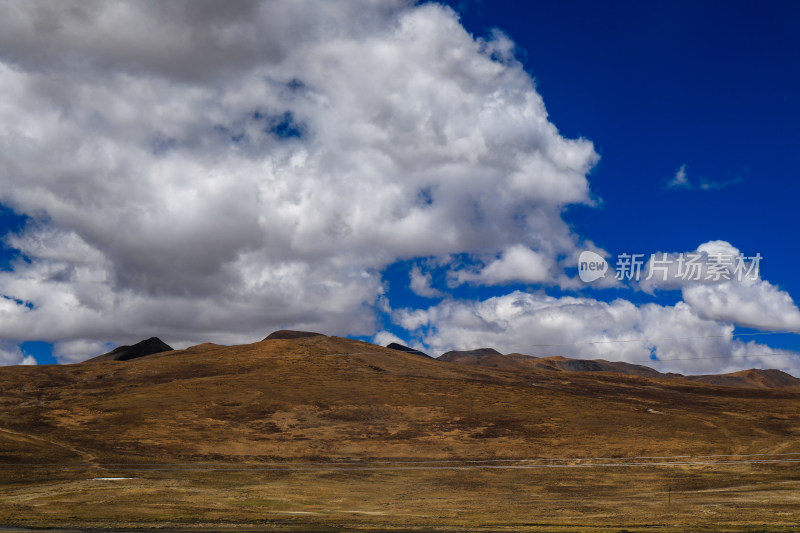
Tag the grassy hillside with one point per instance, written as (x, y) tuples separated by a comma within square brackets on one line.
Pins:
[(323, 425)]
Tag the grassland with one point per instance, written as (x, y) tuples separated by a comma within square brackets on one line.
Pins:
[(329, 434)]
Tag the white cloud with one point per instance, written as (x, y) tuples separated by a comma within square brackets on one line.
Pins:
[(758, 304), (541, 325), (717, 291), (517, 263), (10, 354), (681, 181), (384, 338), (237, 169), (410, 319), (75, 351), (420, 283)]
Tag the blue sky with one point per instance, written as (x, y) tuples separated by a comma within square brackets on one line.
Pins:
[(658, 85), (709, 86), (422, 195)]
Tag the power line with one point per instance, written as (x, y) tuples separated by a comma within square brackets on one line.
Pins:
[(752, 356)]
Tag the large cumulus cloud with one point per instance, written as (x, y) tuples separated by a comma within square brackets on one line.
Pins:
[(723, 284), (208, 172)]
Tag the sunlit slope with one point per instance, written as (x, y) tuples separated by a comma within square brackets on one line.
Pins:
[(331, 398)]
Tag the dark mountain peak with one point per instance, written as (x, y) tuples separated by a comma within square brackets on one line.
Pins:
[(149, 346), (458, 354), (291, 334), (403, 348)]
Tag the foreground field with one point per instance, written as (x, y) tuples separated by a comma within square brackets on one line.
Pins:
[(330, 434), (391, 497)]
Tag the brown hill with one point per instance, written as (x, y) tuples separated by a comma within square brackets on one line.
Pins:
[(337, 397), (487, 357), (755, 378), (478, 352), (587, 365), (484, 357)]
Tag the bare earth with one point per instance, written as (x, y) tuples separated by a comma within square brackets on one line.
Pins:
[(325, 433)]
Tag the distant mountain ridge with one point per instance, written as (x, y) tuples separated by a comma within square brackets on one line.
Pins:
[(489, 357), (318, 397)]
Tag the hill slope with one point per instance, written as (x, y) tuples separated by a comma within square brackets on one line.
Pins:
[(329, 397), (487, 357), (316, 433)]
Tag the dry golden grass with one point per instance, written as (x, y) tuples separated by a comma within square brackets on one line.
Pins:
[(240, 420)]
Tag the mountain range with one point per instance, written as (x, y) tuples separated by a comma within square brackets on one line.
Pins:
[(491, 358), (299, 394), (488, 357)]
